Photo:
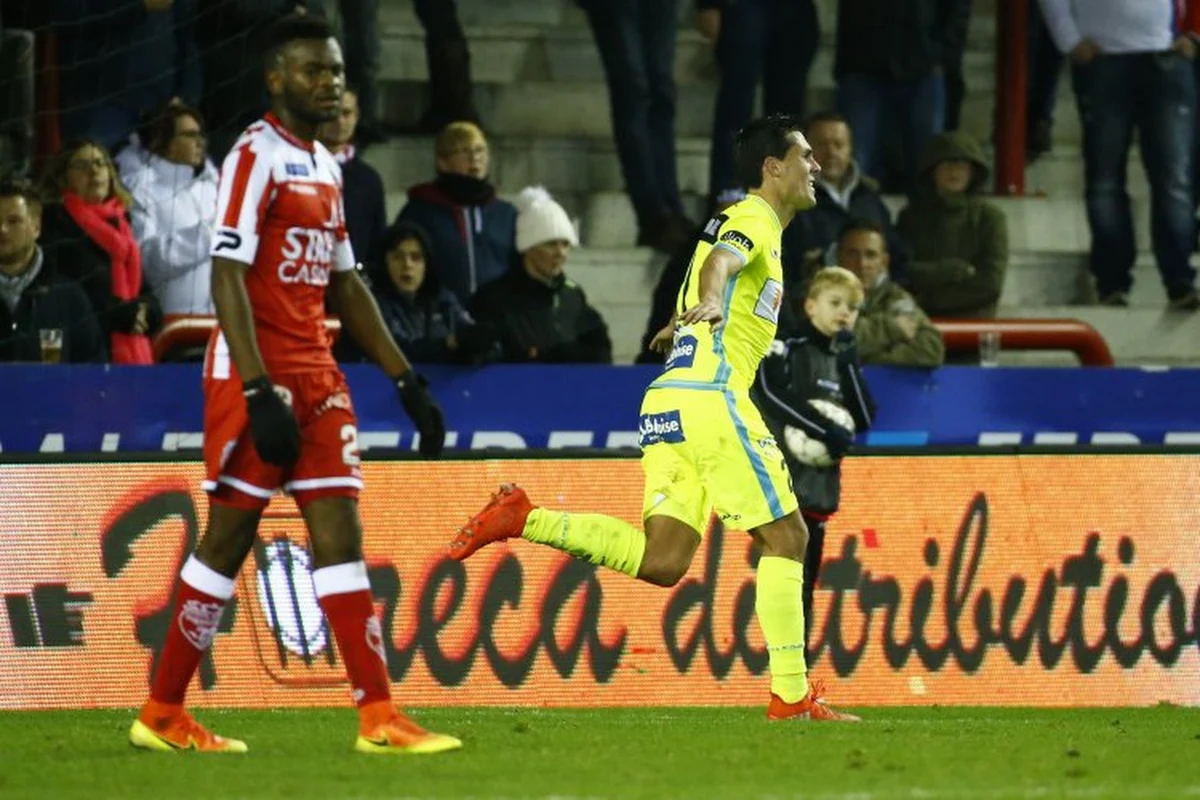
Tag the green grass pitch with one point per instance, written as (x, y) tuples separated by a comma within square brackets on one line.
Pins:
[(918, 753)]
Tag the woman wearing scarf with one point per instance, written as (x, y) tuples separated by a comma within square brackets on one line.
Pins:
[(86, 226)]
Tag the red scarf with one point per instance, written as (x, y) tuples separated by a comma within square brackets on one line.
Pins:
[(105, 224)]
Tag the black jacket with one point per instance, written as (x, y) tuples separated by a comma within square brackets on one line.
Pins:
[(536, 322), (900, 40), (79, 258), (802, 367), (366, 214), (50, 302)]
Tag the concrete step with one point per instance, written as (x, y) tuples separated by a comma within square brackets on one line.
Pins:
[(1144, 336)]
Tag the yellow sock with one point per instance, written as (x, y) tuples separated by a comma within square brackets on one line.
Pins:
[(593, 537), (780, 609)]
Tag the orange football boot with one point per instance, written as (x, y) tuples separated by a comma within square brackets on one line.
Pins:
[(812, 707), (384, 730), (502, 518), (169, 728)]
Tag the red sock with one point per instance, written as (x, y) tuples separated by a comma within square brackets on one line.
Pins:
[(200, 601), (345, 596)]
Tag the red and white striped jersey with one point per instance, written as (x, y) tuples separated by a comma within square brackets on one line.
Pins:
[(280, 212)]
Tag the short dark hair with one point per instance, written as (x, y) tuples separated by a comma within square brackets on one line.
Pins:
[(159, 128), (293, 28), (762, 138), (862, 225), (20, 187), (825, 117)]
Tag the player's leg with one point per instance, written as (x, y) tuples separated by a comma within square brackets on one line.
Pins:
[(205, 586), (344, 593)]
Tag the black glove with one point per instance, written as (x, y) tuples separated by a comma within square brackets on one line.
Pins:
[(273, 426), (837, 440), (845, 347), (423, 410)]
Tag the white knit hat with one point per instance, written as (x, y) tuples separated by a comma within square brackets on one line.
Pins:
[(540, 219)]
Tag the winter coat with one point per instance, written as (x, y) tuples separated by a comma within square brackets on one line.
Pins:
[(475, 243), (803, 366), (366, 208), (51, 302), (539, 322), (959, 244), (880, 339)]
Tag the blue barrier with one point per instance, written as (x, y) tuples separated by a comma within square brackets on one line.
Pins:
[(136, 409)]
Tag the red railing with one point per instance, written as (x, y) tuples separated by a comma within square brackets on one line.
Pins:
[(179, 333), (962, 336), (1012, 69)]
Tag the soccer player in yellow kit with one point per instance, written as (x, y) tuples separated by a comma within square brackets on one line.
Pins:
[(704, 443)]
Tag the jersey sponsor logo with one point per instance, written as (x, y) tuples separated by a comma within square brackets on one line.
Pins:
[(738, 241), (683, 354), (662, 427), (227, 240), (307, 254), (298, 170), (769, 300)]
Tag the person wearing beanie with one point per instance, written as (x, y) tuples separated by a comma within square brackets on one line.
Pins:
[(471, 229), (537, 312)]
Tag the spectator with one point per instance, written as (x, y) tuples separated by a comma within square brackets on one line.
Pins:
[(843, 193), (1041, 95), (448, 60), (42, 316), (362, 187), (1132, 70), (892, 328), (472, 231), (86, 230), (121, 58), (426, 320), (539, 314), (16, 100), (888, 66), (174, 212), (360, 37), (958, 240), (954, 20), (636, 40)]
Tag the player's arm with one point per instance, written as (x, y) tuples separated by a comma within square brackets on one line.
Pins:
[(232, 304), (363, 322), (720, 265)]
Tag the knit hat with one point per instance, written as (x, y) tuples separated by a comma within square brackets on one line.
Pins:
[(540, 219)]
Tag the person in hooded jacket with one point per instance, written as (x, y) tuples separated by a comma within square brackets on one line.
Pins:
[(958, 240), (472, 230), (424, 318)]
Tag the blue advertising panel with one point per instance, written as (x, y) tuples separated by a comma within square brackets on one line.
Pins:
[(83, 409)]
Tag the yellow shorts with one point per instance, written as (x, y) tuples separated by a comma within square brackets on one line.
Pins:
[(706, 449)]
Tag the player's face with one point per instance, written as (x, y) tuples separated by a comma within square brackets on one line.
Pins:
[(187, 145), (800, 169), (339, 133), (89, 174), (406, 266), (864, 254), (831, 148), (952, 177), (832, 309), (545, 261), (310, 80), (19, 228)]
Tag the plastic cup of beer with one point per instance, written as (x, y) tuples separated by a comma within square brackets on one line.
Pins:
[(51, 340)]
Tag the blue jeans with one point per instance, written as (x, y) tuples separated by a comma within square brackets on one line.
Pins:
[(912, 109), (636, 40), (772, 39), (1154, 93)]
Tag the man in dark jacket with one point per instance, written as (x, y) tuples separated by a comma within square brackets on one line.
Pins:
[(889, 65), (816, 363), (844, 192), (362, 187), (43, 317), (471, 229), (538, 314)]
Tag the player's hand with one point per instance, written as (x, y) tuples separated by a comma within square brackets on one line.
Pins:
[(664, 339), (273, 426), (424, 412), (707, 310), (837, 441)]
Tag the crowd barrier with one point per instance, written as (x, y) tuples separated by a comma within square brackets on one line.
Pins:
[(1001, 579)]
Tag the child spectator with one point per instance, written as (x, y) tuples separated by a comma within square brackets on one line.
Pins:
[(817, 361)]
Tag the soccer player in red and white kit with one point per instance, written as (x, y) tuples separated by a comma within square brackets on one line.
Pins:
[(277, 413)]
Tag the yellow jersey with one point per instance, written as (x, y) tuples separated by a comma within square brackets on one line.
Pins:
[(729, 357)]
